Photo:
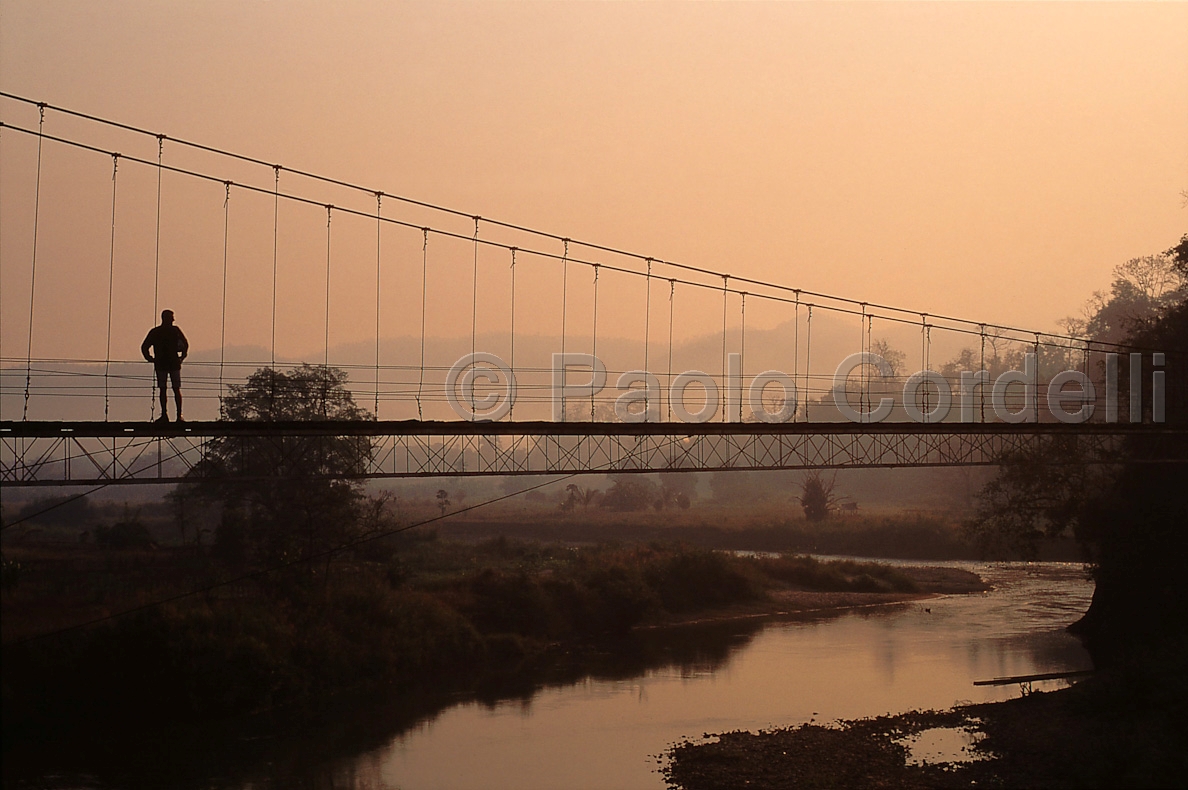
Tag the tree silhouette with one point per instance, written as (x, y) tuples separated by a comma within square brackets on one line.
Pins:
[(582, 496), (283, 496), (816, 496)]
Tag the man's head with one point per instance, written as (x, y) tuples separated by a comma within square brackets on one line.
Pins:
[(166, 317)]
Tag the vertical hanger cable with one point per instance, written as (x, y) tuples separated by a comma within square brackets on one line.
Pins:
[(474, 305), (594, 348), (725, 380), (33, 269), (512, 362), (808, 362), (156, 266), (742, 356), (647, 332), (223, 321), (424, 293), (115, 168), (379, 197), (326, 345), (671, 305), (276, 169)]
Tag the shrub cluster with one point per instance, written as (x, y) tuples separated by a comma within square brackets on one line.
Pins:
[(426, 611)]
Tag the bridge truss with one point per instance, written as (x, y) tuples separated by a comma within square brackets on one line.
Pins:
[(66, 454)]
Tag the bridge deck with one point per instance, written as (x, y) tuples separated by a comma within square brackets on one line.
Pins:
[(220, 428), (74, 453)]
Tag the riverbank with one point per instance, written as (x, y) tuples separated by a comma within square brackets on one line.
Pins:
[(1114, 730), (418, 611), (926, 582)]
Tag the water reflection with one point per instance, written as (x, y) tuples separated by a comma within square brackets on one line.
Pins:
[(866, 662), (598, 719), (943, 745)]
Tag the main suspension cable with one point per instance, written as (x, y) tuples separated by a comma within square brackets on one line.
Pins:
[(966, 328), (512, 226)]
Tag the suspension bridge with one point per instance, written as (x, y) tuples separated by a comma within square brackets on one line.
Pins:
[(104, 223)]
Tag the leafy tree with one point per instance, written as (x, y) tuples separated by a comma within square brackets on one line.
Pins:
[(1039, 493), (896, 359), (578, 410), (1136, 520), (127, 533), (285, 496), (629, 493), (1129, 515), (1179, 256), (816, 496), (1143, 289), (443, 500), (678, 488), (576, 495)]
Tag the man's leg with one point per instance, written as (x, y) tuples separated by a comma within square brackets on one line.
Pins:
[(162, 377), (175, 377)]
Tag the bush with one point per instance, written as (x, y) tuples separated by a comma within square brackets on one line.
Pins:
[(836, 576), (123, 535), (618, 597), (695, 578)]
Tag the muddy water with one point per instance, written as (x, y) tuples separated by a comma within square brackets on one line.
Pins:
[(607, 733)]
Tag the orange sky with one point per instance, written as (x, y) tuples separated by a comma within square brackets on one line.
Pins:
[(992, 160)]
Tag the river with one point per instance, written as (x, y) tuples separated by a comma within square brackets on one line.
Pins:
[(607, 726)]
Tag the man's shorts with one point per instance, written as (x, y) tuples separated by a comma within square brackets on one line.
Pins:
[(173, 376)]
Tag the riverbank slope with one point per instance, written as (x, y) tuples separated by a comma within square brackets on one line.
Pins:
[(1125, 728)]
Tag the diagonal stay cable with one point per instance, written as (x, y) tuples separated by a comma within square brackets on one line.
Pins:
[(279, 567), (76, 497)]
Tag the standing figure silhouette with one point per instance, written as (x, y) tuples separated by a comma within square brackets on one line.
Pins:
[(169, 346)]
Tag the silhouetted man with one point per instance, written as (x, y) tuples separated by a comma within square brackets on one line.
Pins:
[(169, 347)]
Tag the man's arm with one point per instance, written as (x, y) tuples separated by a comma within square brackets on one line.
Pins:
[(146, 345), (183, 345)]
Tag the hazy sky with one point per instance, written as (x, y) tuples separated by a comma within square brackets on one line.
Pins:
[(989, 160)]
